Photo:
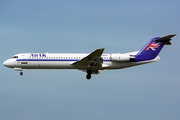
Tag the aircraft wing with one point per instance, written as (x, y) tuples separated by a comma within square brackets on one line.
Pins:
[(92, 61)]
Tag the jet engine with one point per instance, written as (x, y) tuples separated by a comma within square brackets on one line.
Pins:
[(121, 57)]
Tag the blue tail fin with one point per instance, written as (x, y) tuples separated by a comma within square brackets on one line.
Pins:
[(153, 47)]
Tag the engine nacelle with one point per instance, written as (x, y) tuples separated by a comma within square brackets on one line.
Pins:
[(120, 57)]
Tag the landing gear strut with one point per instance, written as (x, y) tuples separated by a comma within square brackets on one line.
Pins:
[(21, 73), (89, 72)]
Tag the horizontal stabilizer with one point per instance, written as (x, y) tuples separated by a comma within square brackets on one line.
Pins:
[(165, 39)]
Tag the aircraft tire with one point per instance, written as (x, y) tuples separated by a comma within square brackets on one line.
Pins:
[(88, 76), (21, 73)]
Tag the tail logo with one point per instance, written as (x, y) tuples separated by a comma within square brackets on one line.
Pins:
[(153, 46)]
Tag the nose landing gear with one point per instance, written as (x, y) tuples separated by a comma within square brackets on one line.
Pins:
[(21, 73)]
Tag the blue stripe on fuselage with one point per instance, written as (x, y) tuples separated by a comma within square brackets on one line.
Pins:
[(52, 60)]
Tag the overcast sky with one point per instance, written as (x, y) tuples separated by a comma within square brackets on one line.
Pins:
[(147, 92)]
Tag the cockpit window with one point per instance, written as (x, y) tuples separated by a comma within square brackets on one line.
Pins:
[(15, 57)]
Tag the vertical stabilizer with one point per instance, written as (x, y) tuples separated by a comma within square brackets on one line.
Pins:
[(153, 47)]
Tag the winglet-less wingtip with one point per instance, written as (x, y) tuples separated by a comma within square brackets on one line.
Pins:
[(101, 49)]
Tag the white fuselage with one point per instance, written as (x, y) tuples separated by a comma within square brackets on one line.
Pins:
[(63, 61)]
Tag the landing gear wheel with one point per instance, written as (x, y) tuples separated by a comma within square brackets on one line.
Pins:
[(88, 76), (21, 73), (89, 72)]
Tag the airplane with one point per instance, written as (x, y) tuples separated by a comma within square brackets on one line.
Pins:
[(92, 63)]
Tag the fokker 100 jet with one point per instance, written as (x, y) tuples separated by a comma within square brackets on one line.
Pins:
[(91, 63)]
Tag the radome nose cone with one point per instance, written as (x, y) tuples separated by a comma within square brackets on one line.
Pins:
[(9, 63), (5, 63)]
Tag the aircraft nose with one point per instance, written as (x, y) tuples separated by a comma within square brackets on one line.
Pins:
[(7, 63)]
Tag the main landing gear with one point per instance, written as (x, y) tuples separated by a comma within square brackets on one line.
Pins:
[(89, 72)]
